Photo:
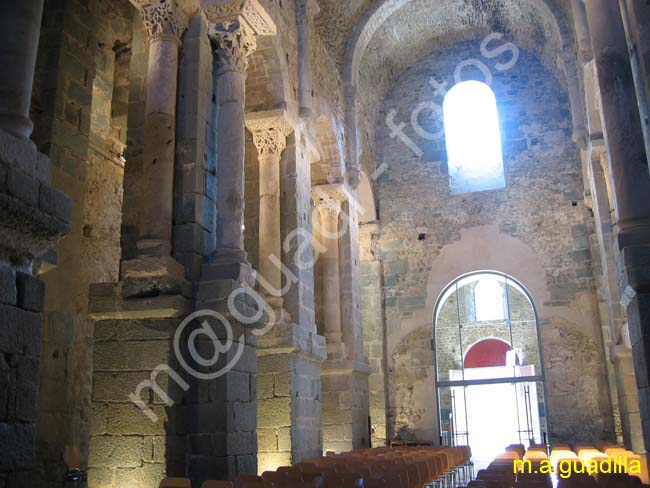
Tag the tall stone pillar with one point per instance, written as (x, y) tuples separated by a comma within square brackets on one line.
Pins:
[(630, 183), (306, 10), (223, 431), (136, 374), (582, 30), (289, 352), (33, 217), (345, 373), (233, 28), (153, 270), (165, 24), (270, 131), (636, 20), (372, 318), (21, 25), (330, 208)]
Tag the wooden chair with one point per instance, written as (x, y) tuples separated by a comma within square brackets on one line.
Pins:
[(175, 483), (217, 484)]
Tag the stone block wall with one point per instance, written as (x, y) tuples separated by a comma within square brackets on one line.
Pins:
[(80, 68), (21, 316), (289, 410), (128, 448), (33, 216), (345, 407), (534, 229)]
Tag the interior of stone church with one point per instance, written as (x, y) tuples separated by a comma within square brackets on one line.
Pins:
[(324, 243)]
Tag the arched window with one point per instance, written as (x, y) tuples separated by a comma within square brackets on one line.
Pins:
[(488, 300), (473, 137)]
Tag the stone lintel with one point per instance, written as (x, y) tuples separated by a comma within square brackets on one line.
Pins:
[(249, 13)]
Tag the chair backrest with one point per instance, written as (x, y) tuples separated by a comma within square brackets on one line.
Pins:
[(175, 483)]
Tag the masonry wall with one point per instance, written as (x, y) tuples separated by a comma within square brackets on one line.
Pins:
[(82, 67), (537, 230)]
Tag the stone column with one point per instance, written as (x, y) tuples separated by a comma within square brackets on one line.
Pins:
[(306, 10), (582, 30), (233, 28), (270, 131), (630, 182), (20, 24), (290, 353), (329, 209), (165, 24), (636, 20), (344, 376)]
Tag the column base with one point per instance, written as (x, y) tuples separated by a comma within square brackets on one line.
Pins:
[(147, 276), (153, 247), (336, 348), (229, 264)]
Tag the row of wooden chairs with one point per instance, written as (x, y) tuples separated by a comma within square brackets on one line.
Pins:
[(402, 467), (501, 473)]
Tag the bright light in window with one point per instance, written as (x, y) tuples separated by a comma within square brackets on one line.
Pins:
[(488, 300), (473, 138)]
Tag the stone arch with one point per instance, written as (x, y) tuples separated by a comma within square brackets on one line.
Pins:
[(330, 141), (368, 212), (378, 14)]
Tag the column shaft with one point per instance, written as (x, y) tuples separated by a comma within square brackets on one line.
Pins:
[(269, 236), (621, 119), (20, 24), (305, 10), (159, 147), (231, 89), (331, 274), (270, 130)]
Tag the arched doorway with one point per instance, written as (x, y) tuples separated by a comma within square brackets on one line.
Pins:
[(490, 381)]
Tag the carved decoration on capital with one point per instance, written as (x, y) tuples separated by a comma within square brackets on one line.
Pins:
[(233, 44), (163, 18), (270, 142), (269, 134), (329, 207)]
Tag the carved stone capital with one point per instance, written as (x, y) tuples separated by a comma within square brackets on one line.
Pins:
[(233, 44), (233, 27), (270, 131), (163, 19), (329, 207)]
